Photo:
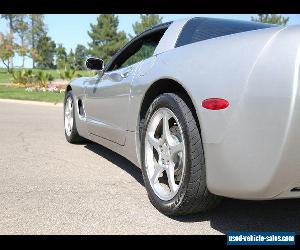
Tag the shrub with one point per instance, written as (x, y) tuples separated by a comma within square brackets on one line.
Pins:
[(86, 74), (23, 77), (43, 78), (28, 78), (67, 74)]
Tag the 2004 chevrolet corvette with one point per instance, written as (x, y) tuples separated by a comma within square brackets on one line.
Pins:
[(206, 107)]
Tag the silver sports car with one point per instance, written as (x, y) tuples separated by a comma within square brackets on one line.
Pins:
[(206, 107)]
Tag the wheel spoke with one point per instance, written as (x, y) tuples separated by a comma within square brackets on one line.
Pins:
[(154, 142), (158, 169), (70, 105), (166, 130), (171, 179), (67, 110), (69, 125)]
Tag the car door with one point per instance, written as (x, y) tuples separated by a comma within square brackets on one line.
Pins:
[(107, 95), (106, 103)]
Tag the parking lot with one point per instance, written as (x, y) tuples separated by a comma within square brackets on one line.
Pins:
[(48, 186)]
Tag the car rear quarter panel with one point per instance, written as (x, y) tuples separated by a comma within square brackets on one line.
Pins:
[(244, 144)]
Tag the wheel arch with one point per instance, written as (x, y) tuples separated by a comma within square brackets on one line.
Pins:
[(68, 88), (165, 85)]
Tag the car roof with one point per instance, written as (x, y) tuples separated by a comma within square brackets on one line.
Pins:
[(164, 25)]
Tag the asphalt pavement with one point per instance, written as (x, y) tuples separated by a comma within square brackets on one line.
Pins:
[(48, 186)]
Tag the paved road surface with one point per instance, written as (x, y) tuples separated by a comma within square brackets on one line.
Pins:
[(48, 186)]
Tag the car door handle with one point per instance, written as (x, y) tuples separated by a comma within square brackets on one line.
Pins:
[(117, 77), (125, 74)]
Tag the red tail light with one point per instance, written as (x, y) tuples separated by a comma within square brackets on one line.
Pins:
[(215, 103)]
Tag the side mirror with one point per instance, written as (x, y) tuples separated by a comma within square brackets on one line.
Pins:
[(94, 63)]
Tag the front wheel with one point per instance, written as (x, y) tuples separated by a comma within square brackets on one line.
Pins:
[(71, 132), (173, 163)]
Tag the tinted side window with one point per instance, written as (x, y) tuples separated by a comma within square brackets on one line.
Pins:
[(145, 51), (199, 29), (136, 50)]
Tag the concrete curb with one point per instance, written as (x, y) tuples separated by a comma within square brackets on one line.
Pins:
[(31, 102)]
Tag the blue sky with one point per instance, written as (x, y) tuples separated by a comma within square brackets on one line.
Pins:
[(71, 29)]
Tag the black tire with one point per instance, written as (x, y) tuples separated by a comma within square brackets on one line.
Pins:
[(193, 195), (74, 137)]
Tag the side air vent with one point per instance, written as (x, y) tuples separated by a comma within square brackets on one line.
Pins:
[(81, 108), (296, 189)]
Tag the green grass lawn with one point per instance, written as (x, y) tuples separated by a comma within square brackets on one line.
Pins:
[(4, 76), (8, 92)]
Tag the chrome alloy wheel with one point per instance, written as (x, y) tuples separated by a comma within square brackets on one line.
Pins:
[(164, 153), (69, 116)]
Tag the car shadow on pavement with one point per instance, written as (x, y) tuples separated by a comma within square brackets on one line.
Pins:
[(231, 214), (241, 215), (117, 160)]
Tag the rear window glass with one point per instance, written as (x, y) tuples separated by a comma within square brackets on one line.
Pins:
[(199, 29)]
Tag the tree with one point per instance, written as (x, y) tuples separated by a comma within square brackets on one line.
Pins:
[(22, 29), (106, 39), (45, 50), (80, 57), (61, 57), (271, 18), (71, 60), (11, 18), (7, 50), (147, 21), (37, 29)]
